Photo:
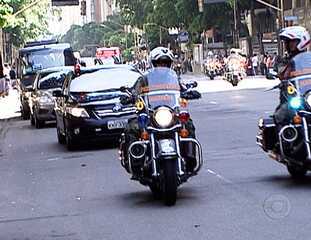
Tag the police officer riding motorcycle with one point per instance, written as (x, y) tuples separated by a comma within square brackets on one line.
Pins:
[(286, 134), (158, 147)]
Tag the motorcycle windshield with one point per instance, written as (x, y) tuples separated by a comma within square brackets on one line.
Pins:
[(300, 74), (162, 88)]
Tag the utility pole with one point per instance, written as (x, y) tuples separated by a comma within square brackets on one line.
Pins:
[(235, 34)]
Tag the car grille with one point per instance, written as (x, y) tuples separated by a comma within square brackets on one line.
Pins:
[(114, 113)]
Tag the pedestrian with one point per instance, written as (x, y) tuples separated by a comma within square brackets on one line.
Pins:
[(12, 73), (255, 64)]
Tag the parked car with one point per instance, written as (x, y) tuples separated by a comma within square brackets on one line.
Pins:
[(41, 101), (88, 107)]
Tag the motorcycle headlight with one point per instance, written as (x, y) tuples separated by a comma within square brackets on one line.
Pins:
[(77, 112), (308, 99), (295, 102), (163, 117)]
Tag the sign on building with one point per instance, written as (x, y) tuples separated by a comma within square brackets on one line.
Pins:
[(65, 2)]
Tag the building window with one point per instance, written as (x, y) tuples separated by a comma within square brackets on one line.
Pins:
[(300, 3), (288, 4)]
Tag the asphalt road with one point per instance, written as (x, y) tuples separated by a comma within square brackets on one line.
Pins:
[(49, 193)]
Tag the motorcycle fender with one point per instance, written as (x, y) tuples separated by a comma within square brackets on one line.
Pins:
[(166, 148)]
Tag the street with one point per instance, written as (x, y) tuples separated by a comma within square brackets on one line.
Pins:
[(47, 192)]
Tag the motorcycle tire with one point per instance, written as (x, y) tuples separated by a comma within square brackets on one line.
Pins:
[(296, 172), (212, 77), (169, 189)]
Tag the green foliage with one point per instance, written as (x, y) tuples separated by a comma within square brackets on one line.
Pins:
[(181, 13), (109, 33), (27, 25)]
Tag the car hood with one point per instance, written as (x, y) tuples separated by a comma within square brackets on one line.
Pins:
[(102, 80)]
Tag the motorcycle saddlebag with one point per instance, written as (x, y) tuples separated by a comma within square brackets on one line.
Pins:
[(267, 136)]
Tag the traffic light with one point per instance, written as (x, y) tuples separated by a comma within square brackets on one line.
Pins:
[(83, 8)]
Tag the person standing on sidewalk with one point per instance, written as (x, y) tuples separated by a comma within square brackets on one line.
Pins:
[(255, 64)]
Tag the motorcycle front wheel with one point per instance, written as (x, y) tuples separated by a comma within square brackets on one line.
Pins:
[(169, 190)]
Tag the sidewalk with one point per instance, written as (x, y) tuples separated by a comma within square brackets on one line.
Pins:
[(206, 85), (10, 105)]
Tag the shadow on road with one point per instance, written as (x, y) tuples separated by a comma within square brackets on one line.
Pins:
[(288, 182), (145, 199)]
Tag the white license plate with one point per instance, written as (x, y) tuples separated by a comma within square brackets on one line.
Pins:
[(117, 124)]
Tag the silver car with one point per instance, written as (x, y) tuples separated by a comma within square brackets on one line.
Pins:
[(42, 102)]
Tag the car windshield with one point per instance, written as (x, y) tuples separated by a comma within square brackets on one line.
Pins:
[(162, 88), (301, 72), (53, 80), (43, 59)]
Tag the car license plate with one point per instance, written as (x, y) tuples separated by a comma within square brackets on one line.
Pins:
[(117, 124)]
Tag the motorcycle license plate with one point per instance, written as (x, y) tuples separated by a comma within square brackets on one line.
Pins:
[(116, 124), (167, 146)]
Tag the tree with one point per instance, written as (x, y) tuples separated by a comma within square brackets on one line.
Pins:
[(27, 25)]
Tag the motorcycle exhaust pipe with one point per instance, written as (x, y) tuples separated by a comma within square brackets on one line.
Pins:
[(289, 134)]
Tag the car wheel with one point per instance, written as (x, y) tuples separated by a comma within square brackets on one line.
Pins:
[(60, 137), (24, 114), (32, 120), (70, 142), (38, 123)]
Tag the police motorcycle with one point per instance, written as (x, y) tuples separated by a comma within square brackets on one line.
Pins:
[(158, 154), (210, 69), (290, 144), (234, 72)]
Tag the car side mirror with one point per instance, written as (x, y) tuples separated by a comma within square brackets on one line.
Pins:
[(126, 100), (191, 95), (57, 93), (123, 89)]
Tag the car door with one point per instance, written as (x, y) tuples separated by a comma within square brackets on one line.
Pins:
[(61, 103)]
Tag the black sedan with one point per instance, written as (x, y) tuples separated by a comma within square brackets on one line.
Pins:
[(88, 107)]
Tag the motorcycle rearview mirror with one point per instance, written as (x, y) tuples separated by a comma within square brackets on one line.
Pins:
[(191, 95)]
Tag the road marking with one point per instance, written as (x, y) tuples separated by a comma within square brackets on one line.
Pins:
[(219, 176), (53, 159), (213, 102)]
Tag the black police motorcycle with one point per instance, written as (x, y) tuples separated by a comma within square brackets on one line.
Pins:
[(290, 144), (158, 155)]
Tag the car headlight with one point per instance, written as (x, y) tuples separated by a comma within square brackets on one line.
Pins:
[(308, 99), (163, 117), (77, 112), (44, 99)]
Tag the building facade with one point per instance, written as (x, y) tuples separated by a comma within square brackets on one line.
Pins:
[(297, 12), (104, 9)]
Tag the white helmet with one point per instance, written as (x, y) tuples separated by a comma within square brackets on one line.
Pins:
[(299, 33), (161, 54)]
